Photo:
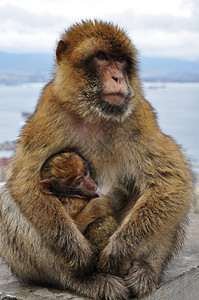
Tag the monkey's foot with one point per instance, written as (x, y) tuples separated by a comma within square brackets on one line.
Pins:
[(101, 286), (141, 279)]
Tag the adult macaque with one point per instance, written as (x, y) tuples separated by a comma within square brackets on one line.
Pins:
[(66, 175), (95, 105)]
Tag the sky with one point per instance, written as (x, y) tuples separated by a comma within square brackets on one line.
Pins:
[(167, 28)]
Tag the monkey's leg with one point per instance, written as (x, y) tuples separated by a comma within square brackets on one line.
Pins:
[(147, 269)]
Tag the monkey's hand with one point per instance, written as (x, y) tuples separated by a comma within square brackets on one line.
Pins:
[(84, 257), (113, 258)]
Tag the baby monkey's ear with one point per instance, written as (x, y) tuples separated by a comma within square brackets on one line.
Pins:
[(46, 186)]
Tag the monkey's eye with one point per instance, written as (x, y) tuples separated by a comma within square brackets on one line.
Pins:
[(78, 181), (85, 172), (101, 55), (120, 58)]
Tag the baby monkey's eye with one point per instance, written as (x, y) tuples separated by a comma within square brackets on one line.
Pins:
[(101, 55), (78, 181)]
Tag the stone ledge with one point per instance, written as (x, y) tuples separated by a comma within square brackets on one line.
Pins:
[(181, 280)]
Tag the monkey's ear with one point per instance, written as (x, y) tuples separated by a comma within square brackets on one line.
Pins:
[(46, 186), (60, 49)]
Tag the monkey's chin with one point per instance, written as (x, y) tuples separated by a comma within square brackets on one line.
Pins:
[(115, 99), (99, 106), (117, 111)]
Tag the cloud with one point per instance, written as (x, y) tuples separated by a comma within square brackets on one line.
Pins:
[(163, 35), (156, 29), (13, 17), (179, 44), (24, 31)]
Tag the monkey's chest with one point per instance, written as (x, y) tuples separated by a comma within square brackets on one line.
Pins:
[(109, 153)]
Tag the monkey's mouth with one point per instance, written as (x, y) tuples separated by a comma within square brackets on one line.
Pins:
[(115, 99), (109, 104), (114, 104)]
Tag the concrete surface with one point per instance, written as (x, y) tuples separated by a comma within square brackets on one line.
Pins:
[(181, 280)]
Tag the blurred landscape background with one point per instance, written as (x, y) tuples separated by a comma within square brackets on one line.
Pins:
[(18, 68), (166, 35)]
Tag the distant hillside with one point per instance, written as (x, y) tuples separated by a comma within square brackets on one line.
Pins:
[(19, 68), (168, 69), (28, 62)]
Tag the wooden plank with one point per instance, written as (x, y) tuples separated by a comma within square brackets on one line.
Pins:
[(183, 287)]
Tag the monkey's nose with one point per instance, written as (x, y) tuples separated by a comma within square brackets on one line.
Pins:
[(117, 79)]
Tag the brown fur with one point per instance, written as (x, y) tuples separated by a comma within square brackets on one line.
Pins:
[(64, 168), (99, 232), (133, 162)]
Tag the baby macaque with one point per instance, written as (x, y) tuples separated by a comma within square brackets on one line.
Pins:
[(66, 175)]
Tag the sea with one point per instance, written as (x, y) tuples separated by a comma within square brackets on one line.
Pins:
[(176, 106)]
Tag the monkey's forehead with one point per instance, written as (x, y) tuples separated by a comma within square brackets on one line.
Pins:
[(91, 35), (67, 165)]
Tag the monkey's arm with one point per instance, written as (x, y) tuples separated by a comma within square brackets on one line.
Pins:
[(95, 209), (45, 212), (59, 233), (161, 206)]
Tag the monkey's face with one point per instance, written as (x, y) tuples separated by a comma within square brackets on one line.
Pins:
[(108, 91), (67, 174), (99, 64)]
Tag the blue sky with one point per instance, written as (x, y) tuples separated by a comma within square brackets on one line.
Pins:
[(167, 28)]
